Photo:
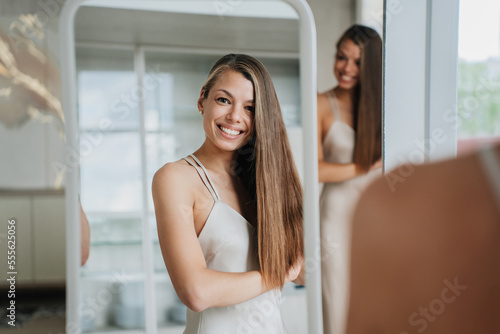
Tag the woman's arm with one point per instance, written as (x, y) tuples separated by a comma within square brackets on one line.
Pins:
[(85, 237), (197, 286), (331, 172)]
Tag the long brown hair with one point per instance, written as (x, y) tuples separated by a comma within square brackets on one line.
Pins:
[(266, 166), (368, 95)]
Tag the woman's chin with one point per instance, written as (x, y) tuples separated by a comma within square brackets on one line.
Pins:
[(347, 85)]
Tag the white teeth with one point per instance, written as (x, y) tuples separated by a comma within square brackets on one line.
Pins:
[(346, 78), (229, 131)]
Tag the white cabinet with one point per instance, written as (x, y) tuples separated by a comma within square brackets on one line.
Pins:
[(40, 237), (49, 235), (18, 209)]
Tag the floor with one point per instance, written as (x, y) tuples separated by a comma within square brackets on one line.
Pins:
[(38, 311)]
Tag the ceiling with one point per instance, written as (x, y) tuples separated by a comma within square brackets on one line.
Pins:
[(248, 8), (126, 26)]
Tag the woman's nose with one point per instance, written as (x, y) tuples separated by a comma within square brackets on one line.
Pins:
[(350, 65), (235, 113)]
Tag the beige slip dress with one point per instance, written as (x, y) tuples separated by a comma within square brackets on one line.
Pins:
[(229, 244), (337, 203)]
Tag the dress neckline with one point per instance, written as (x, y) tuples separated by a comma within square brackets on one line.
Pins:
[(335, 109), (211, 187)]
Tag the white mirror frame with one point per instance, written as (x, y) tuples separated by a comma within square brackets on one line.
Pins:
[(308, 84)]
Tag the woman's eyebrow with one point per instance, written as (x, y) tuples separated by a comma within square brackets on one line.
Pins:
[(231, 95), (225, 91)]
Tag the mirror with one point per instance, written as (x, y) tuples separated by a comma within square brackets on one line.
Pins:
[(350, 148), (137, 84)]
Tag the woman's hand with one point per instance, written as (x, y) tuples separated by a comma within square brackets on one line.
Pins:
[(376, 164), (295, 270)]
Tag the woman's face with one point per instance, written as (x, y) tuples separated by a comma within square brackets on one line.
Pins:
[(228, 111), (346, 67)]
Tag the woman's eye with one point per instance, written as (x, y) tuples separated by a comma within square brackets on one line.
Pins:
[(250, 108), (223, 100)]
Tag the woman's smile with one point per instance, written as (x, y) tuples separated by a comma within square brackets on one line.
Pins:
[(228, 132)]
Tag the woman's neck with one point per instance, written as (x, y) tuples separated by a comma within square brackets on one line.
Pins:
[(346, 95), (215, 159)]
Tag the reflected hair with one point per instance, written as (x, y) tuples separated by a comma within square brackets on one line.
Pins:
[(266, 166), (368, 95)]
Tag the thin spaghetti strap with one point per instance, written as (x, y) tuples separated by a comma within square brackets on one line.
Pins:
[(206, 173), (203, 178), (334, 105), (491, 166)]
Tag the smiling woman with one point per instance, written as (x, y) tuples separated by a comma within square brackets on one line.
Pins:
[(229, 216)]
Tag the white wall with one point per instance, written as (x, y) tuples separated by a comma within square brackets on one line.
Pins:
[(31, 135), (30, 152)]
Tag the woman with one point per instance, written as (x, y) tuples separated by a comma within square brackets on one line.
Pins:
[(229, 216), (349, 141)]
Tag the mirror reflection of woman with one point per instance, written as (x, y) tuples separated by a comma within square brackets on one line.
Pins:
[(349, 142), (229, 216)]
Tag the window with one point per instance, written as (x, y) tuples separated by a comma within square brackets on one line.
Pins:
[(478, 74)]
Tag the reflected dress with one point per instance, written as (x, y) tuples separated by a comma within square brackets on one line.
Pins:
[(337, 203), (229, 244)]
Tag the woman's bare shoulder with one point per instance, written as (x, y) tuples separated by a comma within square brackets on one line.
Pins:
[(175, 176), (416, 227), (439, 199), (323, 103)]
